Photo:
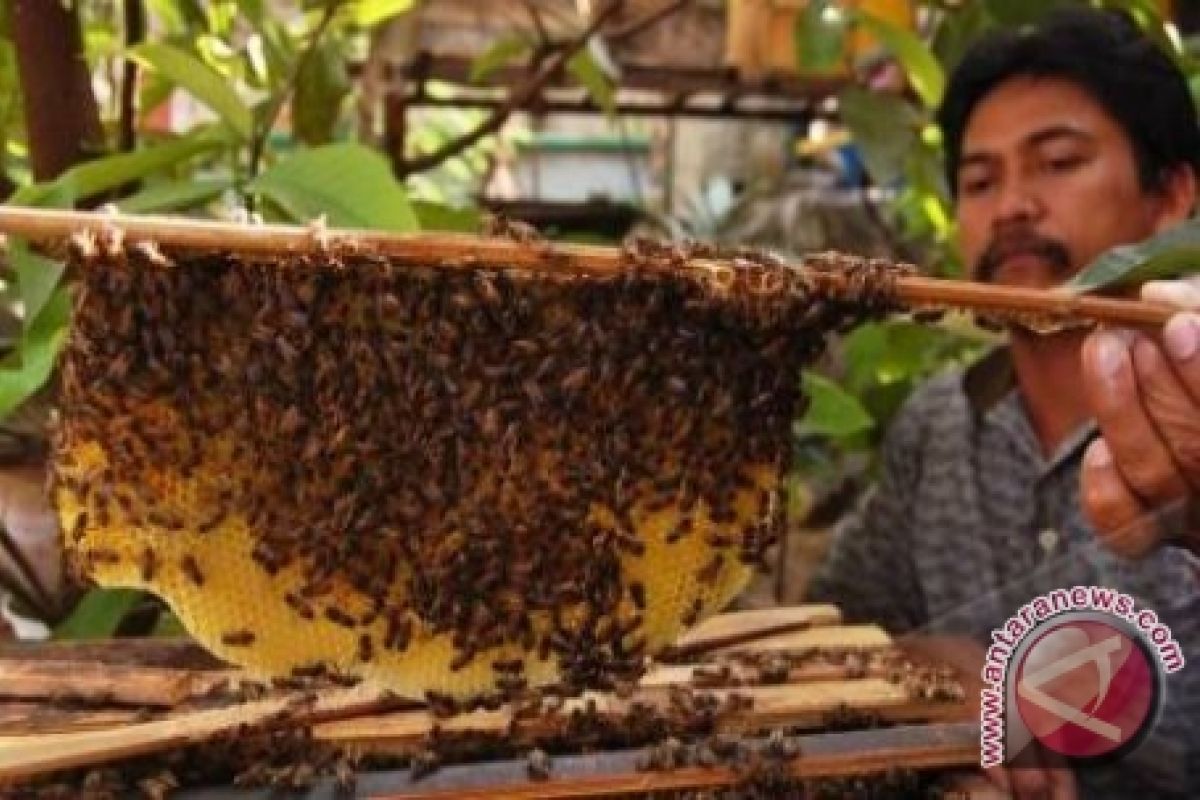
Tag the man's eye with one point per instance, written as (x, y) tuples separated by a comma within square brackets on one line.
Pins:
[(1063, 163), (975, 185)]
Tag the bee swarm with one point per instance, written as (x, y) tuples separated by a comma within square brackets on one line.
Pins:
[(459, 480)]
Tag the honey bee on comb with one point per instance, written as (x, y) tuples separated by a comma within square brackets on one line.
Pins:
[(451, 480)]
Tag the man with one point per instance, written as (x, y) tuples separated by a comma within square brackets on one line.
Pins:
[(1061, 143)]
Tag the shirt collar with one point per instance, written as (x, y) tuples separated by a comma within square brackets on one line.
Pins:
[(990, 385)]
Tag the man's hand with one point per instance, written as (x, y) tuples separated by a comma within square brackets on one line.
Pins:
[(1145, 393)]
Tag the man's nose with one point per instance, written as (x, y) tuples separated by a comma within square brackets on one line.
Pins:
[(1018, 202)]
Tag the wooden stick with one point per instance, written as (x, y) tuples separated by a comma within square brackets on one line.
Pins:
[(53, 228)]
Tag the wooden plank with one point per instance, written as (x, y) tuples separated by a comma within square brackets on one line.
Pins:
[(823, 755), (806, 705), (34, 718), (837, 637), (758, 620), (177, 653), (24, 757), (727, 630), (118, 684)]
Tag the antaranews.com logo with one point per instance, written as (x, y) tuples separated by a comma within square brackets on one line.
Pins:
[(1078, 671)]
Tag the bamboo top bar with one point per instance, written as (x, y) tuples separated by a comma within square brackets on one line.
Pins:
[(53, 228)]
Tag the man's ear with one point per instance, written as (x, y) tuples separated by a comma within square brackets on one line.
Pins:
[(1177, 197)]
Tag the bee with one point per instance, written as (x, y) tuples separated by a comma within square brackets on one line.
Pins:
[(80, 526), (344, 680), (709, 572), (339, 617), (102, 555), (365, 648), (510, 666), (538, 765), (298, 605), (240, 638), (398, 632), (191, 569), (441, 705), (148, 564), (424, 763), (574, 380)]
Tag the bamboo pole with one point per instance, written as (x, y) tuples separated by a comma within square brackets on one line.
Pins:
[(52, 228)]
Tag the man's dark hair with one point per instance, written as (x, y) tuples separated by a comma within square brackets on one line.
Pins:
[(1105, 54)]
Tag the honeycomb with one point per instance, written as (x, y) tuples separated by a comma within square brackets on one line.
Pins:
[(457, 483)]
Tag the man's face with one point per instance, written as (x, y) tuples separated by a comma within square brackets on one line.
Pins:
[(1047, 181)]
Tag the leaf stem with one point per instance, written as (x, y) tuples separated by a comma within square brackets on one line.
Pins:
[(280, 98)]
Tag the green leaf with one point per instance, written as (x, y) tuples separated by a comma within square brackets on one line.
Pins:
[(819, 36), (591, 77), (350, 184), (959, 29), (1172, 253), (321, 88), (29, 370), (924, 72), (98, 614), (201, 80), (168, 14), (174, 195), (37, 276), (44, 195), (103, 174), (832, 411), (440, 217), (885, 128), (502, 51), (368, 13)]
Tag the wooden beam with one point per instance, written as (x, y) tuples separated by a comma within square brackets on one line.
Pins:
[(466, 251)]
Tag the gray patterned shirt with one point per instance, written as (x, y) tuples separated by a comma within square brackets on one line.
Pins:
[(969, 521)]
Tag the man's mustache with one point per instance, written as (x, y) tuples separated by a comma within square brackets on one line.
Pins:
[(1004, 247)]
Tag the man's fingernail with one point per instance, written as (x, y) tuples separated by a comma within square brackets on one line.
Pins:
[(1098, 455), (1182, 336), (1109, 353)]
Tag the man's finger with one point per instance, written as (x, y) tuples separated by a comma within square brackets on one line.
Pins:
[(1111, 506), (1061, 776), (1181, 293), (1174, 413), (1181, 339), (999, 776), (1030, 783), (1140, 455)]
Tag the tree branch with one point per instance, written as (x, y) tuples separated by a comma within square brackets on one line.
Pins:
[(135, 31), (61, 116), (517, 98)]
